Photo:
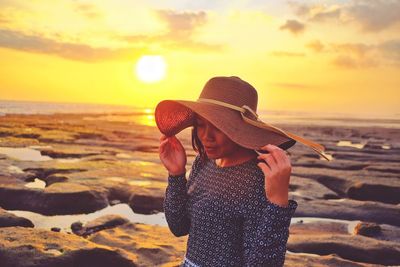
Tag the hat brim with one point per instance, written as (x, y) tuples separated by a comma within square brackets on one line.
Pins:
[(172, 116)]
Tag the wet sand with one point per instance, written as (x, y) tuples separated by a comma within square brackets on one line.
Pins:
[(56, 170)]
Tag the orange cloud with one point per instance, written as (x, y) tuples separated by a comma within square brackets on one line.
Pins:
[(180, 33), (81, 52), (316, 46), (293, 26)]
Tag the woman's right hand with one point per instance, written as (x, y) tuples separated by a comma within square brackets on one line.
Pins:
[(172, 155)]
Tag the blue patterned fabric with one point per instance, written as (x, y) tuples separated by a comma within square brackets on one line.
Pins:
[(229, 220)]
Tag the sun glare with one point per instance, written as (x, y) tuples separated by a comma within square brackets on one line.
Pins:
[(151, 69)]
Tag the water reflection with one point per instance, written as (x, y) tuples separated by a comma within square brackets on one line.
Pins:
[(64, 221), (25, 154), (350, 144), (37, 183), (350, 224)]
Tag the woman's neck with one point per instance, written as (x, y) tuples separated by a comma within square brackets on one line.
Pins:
[(236, 158)]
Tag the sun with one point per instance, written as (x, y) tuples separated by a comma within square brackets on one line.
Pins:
[(151, 68)]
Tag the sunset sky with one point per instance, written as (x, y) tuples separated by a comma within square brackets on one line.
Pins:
[(314, 56)]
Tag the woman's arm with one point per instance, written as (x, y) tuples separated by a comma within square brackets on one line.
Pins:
[(175, 202), (173, 157), (265, 234), (266, 225)]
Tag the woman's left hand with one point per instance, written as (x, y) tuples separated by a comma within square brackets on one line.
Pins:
[(277, 169)]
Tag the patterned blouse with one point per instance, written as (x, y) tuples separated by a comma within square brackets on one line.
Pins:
[(229, 220)]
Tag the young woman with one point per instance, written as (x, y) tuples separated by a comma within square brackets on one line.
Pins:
[(235, 205)]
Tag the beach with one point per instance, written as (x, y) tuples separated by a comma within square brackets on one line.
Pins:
[(87, 189)]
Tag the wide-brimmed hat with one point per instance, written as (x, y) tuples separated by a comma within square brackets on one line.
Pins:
[(230, 104)]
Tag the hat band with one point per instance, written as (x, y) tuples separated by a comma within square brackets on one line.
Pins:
[(260, 124)]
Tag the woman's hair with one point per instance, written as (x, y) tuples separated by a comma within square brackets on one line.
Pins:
[(196, 143)]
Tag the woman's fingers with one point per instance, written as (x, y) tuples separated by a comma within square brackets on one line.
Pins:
[(264, 168), (278, 154), (163, 137)]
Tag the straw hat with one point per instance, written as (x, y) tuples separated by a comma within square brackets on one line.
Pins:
[(230, 104)]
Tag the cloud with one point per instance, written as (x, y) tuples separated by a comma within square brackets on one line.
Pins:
[(370, 15), (81, 52), (182, 24), (180, 33), (293, 26), (287, 54), (325, 15), (375, 15), (316, 46), (349, 62), (391, 50), (88, 10), (359, 55)]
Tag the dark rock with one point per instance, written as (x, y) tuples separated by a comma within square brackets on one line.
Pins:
[(355, 248), (146, 204), (349, 209), (76, 227), (55, 229), (367, 229), (374, 192), (63, 155), (101, 223), (8, 219), (56, 199)]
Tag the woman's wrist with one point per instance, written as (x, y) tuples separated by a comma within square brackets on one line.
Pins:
[(177, 174), (282, 201)]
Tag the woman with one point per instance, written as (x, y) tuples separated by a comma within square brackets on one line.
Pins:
[(235, 205)]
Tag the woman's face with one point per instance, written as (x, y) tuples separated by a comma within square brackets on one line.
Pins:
[(216, 144)]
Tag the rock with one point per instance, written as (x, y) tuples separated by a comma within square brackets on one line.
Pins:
[(29, 247), (146, 204), (355, 248), (55, 229), (367, 229), (153, 245), (310, 260), (374, 192), (348, 209), (56, 199), (76, 227), (309, 189), (8, 219), (101, 223)]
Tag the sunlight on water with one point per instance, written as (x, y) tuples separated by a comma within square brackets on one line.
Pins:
[(350, 144), (65, 221), (37, 183), (68, 160), (15, 169), (140, 182), (350, 224), (26, 154)]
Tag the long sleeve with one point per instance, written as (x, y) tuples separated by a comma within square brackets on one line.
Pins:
[(266, 231), (176, 201)]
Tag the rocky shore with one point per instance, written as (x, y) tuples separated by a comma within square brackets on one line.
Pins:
[(74, 164)]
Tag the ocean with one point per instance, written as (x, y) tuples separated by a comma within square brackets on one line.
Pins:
[(125, 113)]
